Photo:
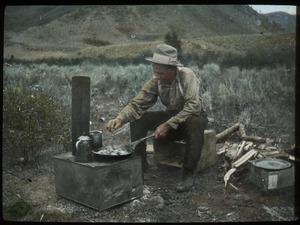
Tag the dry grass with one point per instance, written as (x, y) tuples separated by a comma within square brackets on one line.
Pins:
[(119, 51), (237, 44)]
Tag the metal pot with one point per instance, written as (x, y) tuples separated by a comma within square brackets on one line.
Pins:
[(96, 138), (271, 164)]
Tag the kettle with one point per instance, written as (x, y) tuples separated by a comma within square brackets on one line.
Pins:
[(83, 150)]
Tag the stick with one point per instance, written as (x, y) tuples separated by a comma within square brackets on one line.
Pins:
[(240, 150), (233, 186), (227, 132)]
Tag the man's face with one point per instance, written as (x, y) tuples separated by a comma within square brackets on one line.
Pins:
[(164, 74)]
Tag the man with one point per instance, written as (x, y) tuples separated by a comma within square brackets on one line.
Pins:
[(185, 118)]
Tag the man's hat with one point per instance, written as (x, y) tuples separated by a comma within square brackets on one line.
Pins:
[(165, 54)]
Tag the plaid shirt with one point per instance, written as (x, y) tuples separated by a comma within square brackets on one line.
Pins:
[(182, 95)]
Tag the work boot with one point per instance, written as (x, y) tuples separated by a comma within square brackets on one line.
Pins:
[(186, 183)]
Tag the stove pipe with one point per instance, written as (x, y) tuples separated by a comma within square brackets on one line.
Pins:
[(80, 108)]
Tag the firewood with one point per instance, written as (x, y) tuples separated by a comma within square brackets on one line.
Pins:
[(254, 139), (244, 158), (227, 132), (275, 154), (291, 157), (239, 152), (232, 151), (221, 151), (228, 174), (269, 153), (241, 128), (248, 146)]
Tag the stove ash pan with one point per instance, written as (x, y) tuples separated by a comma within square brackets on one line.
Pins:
[(98, 185)]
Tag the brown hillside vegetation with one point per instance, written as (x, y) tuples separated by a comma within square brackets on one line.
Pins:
[(89, 31)]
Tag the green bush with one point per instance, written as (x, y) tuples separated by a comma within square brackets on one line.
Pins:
[(32, 121), (19, 209)]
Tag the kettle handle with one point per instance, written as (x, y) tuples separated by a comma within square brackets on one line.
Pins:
[(77, 144)]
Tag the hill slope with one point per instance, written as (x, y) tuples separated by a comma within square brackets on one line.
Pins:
[(121, 24), (71, 29), (284, 19)]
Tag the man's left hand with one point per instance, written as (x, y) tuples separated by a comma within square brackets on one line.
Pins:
[(162, 130)]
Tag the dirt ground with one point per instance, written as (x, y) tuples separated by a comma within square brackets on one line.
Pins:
[(208, 201)]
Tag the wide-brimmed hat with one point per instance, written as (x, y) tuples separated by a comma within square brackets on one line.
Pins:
[(165, 54)]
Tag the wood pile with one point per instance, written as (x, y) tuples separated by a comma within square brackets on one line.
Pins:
[(251, 148)]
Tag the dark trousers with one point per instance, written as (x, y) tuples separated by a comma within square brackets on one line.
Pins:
[(192, 131)]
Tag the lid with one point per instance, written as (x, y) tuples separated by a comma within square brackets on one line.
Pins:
[(271, 164), (95, 132), (84, 138)]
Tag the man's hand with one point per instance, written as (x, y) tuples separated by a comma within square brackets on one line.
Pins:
[(162, 130), (113, 124)]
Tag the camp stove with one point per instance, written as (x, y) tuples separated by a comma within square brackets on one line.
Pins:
[(99, 184)]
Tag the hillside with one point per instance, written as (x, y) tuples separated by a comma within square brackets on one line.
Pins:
[(284, 19), (64, 31)]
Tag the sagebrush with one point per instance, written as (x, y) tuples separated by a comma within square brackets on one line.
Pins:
[(32, 121), (263, 96)]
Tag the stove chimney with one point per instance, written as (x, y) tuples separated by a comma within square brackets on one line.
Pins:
[(80, 108)]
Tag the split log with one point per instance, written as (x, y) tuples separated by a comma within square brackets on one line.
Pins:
[(267, 153), (228, 174), (248, 146), (291, 157), (244, 158), (221, 151), (231, 152), (240, 150), (275, 154)]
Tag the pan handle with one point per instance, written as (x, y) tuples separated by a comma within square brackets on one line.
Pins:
[(133, 144)]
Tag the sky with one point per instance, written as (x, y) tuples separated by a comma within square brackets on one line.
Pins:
[(274, 8)]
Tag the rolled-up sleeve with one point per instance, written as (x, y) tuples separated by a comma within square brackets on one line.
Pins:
[(146, 98)]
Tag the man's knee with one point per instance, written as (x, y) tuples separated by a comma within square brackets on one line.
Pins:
[(196, 122)]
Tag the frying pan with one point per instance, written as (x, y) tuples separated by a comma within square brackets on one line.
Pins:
[(117, 151)]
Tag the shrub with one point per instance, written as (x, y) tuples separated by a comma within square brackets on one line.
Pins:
[(261, 96), (229, 92), (32, 121), (19, 209)]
